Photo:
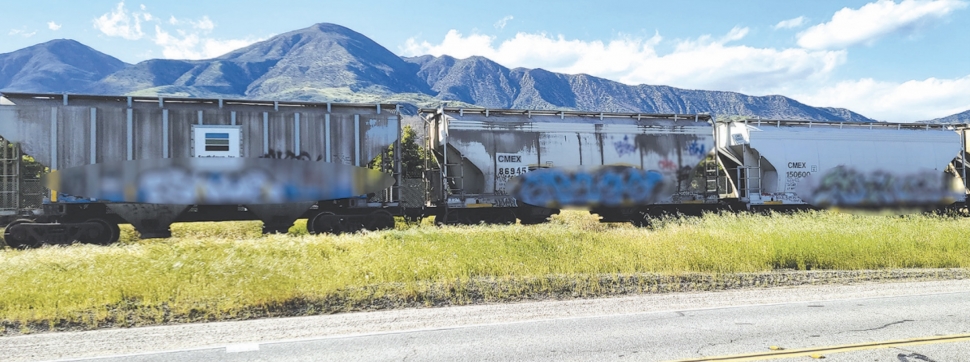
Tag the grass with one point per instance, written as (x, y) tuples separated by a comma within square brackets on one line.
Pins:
[(217, 271)]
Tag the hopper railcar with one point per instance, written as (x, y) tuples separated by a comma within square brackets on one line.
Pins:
[(621, 165), (496, 166), (790, 165), (92, 134)]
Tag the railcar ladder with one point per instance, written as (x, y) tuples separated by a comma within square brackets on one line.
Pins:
[(451, 184), (752, 179), (457, 182), (9, 177), (710, 178)]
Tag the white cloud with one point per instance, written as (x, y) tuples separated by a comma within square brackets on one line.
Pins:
[(190, 39), (204, 24), (909, 101), (120, 23), (735, 34), (705, 62), (500, 24), (22, 32), (191, 45), (791, 23), (53, 26), (874, 20)]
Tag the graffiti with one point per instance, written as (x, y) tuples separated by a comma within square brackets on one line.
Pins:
[(667, 165), (499, 201), (605, 186), (289, 155), (846, 187), (219, 181), (624, 147), (342, 158), (696, 148), (168, 186)]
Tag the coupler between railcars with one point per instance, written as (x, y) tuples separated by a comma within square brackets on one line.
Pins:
[(644, 216), (475, 216), (957, 209), (524, 214)]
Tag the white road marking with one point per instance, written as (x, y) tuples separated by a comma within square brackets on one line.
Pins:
[(245, 347)]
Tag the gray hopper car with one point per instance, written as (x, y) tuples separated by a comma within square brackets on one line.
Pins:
[(65, 131), (482, 151)]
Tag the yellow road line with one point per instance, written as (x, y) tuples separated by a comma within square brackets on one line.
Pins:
[(818, 351)]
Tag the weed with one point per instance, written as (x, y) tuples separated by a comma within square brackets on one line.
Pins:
[(212, 271)]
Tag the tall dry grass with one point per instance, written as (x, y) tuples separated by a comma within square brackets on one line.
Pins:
[(225, 270)]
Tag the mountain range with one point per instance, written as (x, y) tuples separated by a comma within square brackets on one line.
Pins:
[(328, 62), (962, 117)]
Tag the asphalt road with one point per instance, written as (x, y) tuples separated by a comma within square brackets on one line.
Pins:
[(647, 328)]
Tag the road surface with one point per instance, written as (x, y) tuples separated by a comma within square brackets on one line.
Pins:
[(918, 322)]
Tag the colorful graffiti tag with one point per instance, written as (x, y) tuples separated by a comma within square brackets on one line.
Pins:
[(603, 186), (846, 187), (667, 165), (696, 148), (625, 146)]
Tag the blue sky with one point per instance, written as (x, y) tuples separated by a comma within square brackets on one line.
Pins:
[(902, 60)]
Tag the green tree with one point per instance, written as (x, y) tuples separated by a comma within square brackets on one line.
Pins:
[(412, 155), (32, 170)]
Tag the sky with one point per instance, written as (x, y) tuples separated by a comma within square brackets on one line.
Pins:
[(892, 60)]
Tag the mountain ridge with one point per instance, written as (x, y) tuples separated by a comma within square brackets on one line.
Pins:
[(60, 65), (329, 62), (962, 117)]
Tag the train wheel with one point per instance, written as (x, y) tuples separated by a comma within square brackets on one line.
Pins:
[(440, 219), (502, 217), (326, 222), (18, 239), (309, 226), (380, 220), (535, 220), (107, 233), (465, 217), (641, 219)]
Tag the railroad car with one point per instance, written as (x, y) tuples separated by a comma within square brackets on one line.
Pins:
[(499, 165), (784, 165), (175, 141), (152, 161)]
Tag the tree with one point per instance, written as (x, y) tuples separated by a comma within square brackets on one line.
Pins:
[(32, 170), (412, 155)]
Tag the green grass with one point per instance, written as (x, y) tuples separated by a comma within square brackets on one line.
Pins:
[(213, 271)]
